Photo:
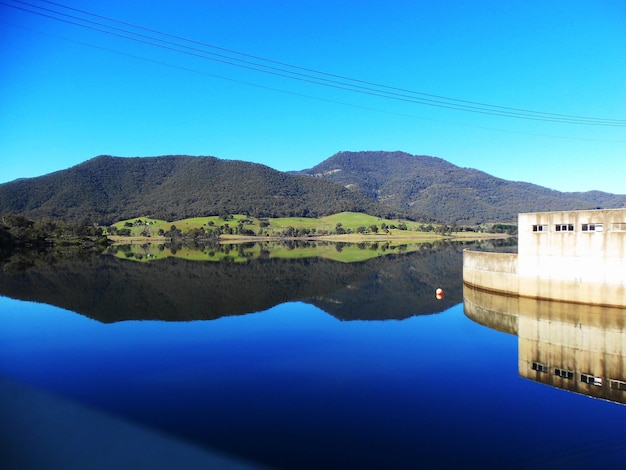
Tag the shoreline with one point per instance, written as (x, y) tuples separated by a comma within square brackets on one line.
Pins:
[(345, 238)]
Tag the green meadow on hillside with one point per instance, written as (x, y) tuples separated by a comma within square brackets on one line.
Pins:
[(344, 223), (344, 237)]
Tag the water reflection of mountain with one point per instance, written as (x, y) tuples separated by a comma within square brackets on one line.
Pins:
[(110, 289), (579, 348)]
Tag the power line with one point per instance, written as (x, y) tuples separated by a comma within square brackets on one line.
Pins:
[(303, 95), (331, 74), (198, 49)]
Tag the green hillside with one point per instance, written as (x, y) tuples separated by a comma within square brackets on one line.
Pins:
[(286, 227), (107, 189)]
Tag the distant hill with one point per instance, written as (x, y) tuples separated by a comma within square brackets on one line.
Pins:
[(432, 188), (106, 189)]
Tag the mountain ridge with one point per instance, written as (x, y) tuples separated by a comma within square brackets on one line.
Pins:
[(106, 189), (436, 188)]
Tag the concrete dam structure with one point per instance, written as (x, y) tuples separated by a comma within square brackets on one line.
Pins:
[(565, 256)]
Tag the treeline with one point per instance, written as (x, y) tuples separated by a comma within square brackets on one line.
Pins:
[(230, 225), (16, 231)]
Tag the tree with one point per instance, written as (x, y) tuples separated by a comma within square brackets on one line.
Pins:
[(174, 232), (13, 220)]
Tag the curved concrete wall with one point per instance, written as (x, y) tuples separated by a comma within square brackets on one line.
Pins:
[(499, 272), (495, 272)]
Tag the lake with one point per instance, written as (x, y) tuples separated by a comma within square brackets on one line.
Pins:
[(278, 358)]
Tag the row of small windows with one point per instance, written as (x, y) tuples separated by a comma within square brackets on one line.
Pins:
[(563, 373), (616, 227), (586, 378)]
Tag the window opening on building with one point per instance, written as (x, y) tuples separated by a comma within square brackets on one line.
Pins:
[(618, 384), (563, 373), (592, 227), (540, 228), (538, 366), (564, 227), (591, 380), (619, 227)]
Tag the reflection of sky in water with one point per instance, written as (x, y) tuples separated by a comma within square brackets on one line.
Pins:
[(295, 386)]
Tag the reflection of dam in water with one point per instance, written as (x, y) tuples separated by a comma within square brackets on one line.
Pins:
[(574, 347)]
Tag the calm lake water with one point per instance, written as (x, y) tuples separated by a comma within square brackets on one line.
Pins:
[(303, 363)]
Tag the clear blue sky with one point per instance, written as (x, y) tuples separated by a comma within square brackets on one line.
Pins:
[(69, 93)]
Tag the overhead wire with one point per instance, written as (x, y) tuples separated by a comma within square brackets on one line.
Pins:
[(320, 72), (304, 95), (331, 74), (285, 70)]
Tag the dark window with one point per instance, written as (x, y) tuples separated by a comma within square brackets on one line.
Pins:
[(566, 374), (591, 380), (592, 227)]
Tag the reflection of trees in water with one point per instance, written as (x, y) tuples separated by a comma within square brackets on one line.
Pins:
[(110, 289), (263, 249)]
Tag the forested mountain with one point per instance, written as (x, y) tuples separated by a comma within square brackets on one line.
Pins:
[(432, 188), (107, 189)]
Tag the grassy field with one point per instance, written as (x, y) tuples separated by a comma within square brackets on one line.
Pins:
[(146, 242), (348, 221)]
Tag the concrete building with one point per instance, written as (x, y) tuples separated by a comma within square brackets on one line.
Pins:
[(569, 256)]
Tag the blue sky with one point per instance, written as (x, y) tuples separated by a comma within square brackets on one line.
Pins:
[(69, 93)]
